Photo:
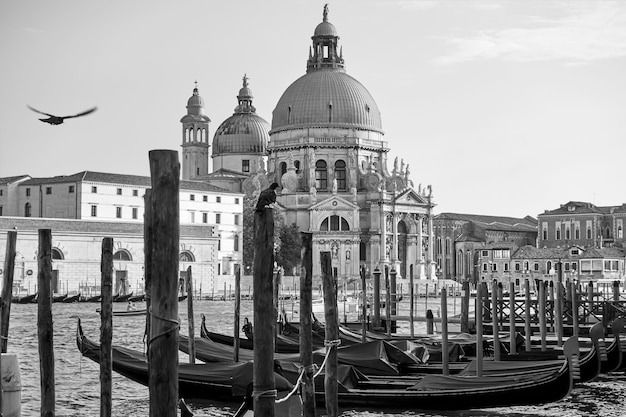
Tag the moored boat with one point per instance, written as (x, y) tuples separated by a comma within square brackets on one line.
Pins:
[(220, 382)]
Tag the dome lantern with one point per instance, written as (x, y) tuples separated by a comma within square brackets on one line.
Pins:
[(325, 40)]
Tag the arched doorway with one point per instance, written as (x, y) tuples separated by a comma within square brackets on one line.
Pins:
[(402, 242)]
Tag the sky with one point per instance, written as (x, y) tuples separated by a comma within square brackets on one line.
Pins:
[(507, 108)]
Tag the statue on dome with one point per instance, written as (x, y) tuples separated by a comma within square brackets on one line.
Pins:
[(395, 166), (325, 12), (245, 80)]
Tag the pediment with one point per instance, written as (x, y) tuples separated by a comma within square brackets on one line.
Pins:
[(334, 203), (411, 197)]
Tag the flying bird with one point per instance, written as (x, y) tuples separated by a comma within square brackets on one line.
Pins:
[(57, 120)]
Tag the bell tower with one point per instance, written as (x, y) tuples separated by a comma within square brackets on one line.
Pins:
[(195, 138)]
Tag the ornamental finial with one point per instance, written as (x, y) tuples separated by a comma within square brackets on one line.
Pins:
[(326, 12)]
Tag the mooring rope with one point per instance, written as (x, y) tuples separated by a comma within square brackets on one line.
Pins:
[(311, 368), (163, 333), (269, 393)]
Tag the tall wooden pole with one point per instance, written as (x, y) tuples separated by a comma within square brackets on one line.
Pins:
[(237, 312), (7, 289), (44, 322), (387, 303), (364, 305), (527, 331), (376, 298), (512, 330), (465, 299), (190, 321), (106, 328), (541, 299), (306, 336), (163, 343), (479, 329), (495, 318), (445, 354), (276, 297), (147, 263), (412, 306), (574, 308), (332, 336), (264, 318)]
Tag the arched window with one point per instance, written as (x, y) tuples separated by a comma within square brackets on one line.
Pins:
[(620, 232), (548, 266), (321, 175), (236, 243), (27, 210), (340, 174), (283, 168), (296, 165), (57, 254), (334, 223), (186, 256), (122, 255)]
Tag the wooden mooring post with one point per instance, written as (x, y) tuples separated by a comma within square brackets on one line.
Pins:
[(445, 354), (45, 331), (387, 303), (163, 342), (106, 328), (541, 299), (147, 262), (495, 318), (332, 335), (479, 330), (364, 305), (512, 330), (7, 288), (465, 299), (190, 321), (527, 330), (237, 313), (306, 326), (376, 296), (264, 391)]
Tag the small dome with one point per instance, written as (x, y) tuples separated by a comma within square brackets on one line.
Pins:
[(325, 29), (195, 104), (244, 132), (241, 133), (245, 92)]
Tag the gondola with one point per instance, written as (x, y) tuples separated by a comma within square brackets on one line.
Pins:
[(219, 382), (545, 382), (123, 298), (27, 299), (59, 298), (72, 299), (94, 299), (282, 345), (137, 298)]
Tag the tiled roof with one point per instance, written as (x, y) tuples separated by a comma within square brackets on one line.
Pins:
[(493, 222), (10, 180), (100, 228), (121, 179), (531, 252)]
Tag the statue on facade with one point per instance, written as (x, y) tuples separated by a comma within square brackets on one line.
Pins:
[(335, 185), (395, 166)]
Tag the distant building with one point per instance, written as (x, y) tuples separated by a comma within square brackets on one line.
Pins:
[(583, 224), (461, 239), (82, 208)]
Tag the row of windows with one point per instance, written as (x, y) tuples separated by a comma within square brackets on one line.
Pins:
[(558, 235), (205, 198), (321, 173)]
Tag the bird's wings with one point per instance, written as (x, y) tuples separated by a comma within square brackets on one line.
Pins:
[(40, 112), (65, 117), (81, 114)]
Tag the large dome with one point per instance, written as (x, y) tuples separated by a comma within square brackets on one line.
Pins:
[(326, 97), (244, 133)]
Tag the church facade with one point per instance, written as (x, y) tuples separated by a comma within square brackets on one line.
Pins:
[(327, 151)]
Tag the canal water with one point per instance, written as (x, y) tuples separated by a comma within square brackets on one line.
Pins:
[(77, 379)]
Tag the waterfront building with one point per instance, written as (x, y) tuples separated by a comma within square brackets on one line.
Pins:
[(583, 224), (474, 247), (326, 150), (83, 208)]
